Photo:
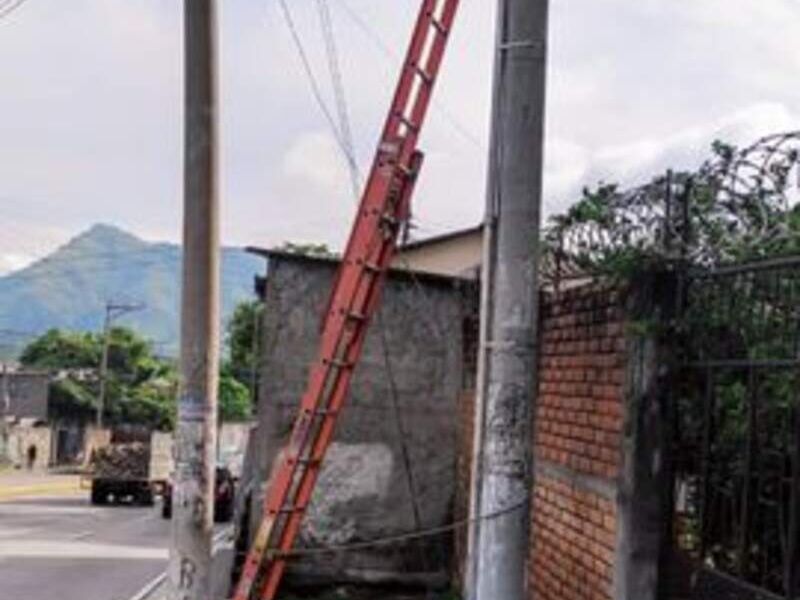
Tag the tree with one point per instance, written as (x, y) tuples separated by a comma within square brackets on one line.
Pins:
[(141, 388), (307, 249), (242, 341), (234, 399), (58, 349)]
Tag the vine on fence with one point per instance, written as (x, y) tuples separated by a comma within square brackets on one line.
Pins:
[(742, 204)]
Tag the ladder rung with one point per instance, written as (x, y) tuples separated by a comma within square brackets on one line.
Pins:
[(309, 462), (324, 412), (355, 316), (439, 26), (339, 364), (371, 267), (288, 510), (405, 171), (424, 75), (407, 122), (390, 220)]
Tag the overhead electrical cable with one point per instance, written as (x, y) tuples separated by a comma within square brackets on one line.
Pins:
[(340, 99), (9, 7), (312, 79), (391, 54)]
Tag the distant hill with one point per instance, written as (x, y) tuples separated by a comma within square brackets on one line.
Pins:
[(69, 288)]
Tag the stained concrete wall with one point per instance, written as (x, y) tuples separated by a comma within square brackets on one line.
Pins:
[(363, 492), (23, 437), (28, 394)]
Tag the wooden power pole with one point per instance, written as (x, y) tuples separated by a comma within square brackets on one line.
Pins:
[(502, 473), (193, 500)]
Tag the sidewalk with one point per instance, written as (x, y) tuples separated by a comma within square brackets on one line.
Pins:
[(22, 484)]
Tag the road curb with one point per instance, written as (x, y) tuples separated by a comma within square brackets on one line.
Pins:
[(43, 489), (149, 591)]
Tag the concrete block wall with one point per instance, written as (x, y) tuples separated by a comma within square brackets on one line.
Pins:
[(364, 488)]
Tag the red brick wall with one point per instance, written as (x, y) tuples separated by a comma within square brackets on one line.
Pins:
[(573, 540), (581, 372), (578, 433), (577, 444), (466, 411)]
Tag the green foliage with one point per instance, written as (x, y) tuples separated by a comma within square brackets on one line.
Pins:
[(307, 249), (234, 399), (140, 388), (58, 349), (739, 206), (242, 332)]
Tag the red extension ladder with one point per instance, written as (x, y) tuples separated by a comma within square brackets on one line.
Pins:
[(384, 208)]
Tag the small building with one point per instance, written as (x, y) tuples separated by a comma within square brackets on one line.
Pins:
[(391, 468), (453, 254), (28, 444), (24, 394)]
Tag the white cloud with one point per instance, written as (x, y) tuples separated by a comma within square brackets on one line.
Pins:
[(316, 160), (13, 262), (90, 129)]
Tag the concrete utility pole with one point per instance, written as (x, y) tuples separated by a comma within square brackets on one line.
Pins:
[(112, 312), (5, 398), (502, 473), (193, 500)]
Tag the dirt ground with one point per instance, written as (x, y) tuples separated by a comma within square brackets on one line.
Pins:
[(371, 594)]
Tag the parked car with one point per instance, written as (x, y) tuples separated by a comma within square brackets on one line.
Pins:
[(224, 496)]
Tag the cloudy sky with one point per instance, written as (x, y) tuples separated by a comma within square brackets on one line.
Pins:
[(90, 109)]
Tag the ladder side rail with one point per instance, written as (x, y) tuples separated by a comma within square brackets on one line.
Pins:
[(391, 126), (283, 479), (328, 384), (371, 301), (418, 109)]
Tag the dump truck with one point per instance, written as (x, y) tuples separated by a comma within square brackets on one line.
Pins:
[(131, 472)]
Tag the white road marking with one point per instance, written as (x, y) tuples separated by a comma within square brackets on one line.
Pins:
[(82, 535), (10, 532), (9, 508), (148, 589), (73, 549)]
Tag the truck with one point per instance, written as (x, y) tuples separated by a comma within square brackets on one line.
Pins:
[(131, 472)]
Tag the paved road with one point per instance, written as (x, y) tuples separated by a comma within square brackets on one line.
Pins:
[(65, 549)]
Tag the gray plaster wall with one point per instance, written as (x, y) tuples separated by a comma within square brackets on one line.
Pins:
[(643, 494), (28, 395), (364, 490)]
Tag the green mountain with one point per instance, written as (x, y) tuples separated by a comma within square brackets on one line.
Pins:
[(70, 287)]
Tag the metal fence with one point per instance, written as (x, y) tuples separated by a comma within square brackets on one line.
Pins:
[(737, 477), (729, 236)]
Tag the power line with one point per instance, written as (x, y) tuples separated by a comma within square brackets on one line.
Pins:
[(391, 54), (312, 79), (9, 7), (410, 536), (338, 94)]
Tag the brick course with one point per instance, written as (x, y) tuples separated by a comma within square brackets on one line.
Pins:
[(581, 373), (578, 430)]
